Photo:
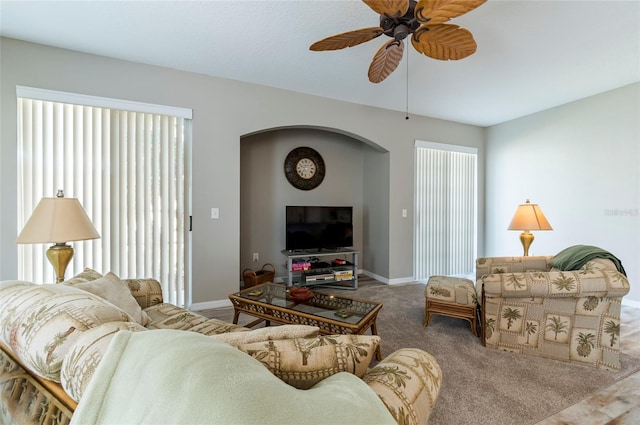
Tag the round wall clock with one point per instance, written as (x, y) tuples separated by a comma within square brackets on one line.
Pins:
[(304, 168)]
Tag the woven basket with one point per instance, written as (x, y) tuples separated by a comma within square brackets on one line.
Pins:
[(253, 278)]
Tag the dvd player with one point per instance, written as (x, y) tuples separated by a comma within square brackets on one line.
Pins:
[(313, 277)]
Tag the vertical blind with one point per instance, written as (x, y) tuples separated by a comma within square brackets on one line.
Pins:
[(446, 213), (127, 169)]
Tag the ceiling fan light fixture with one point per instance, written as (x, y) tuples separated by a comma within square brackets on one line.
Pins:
[(400, 32)]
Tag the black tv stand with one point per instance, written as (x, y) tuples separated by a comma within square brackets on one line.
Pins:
[(331, 275)]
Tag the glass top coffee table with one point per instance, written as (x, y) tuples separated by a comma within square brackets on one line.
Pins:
[(332, 314)]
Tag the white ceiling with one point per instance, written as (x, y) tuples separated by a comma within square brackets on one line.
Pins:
[(532, 54)]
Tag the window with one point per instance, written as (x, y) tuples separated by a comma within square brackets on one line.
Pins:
[(128, 165), (446, 210)]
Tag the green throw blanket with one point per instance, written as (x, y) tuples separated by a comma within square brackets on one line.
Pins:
[(179, 377), (576, 256)]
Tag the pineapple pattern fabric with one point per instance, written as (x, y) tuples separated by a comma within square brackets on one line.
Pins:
[(564, 315)]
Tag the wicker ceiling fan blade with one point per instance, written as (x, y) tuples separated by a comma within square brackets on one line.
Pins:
[(444, 42), (439, 11), (346, 39), (391, 8), (386, 60), (422, 20)]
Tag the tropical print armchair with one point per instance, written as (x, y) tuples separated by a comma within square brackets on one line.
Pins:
[(532, 308)]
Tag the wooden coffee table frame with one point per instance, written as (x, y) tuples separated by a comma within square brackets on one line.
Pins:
[(264, 311)]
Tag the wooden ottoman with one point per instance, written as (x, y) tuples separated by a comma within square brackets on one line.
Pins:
[(453, 297)]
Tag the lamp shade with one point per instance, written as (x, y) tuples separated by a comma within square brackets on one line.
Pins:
[(529, 216), (57, 220)]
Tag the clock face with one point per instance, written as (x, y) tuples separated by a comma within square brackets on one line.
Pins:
[(304, 168)]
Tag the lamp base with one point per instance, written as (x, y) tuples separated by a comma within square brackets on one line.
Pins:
[(59, 256), (526, 238)]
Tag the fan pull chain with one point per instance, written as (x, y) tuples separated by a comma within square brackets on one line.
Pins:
[(407, 82)]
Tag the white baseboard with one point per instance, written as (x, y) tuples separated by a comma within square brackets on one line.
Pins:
[(211, 304), (374, 276), (385, 280), (401, 280)]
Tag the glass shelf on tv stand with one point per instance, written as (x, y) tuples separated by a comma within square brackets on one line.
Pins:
[(298, 278)]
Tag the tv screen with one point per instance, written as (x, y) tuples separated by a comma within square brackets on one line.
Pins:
[(318, 227)]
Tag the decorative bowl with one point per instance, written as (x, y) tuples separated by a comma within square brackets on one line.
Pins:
[(300, 295)]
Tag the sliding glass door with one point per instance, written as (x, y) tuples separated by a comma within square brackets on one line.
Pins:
[(446, 210), (129, 166)]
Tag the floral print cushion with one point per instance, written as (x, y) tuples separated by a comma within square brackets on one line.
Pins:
[(408, 383), (82, 360), (303, 362), (46, 320)]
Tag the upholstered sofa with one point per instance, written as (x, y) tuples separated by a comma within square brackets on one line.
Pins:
[(538, 306), (97, 349)]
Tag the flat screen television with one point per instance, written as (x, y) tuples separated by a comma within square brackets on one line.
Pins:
[(318, 227)]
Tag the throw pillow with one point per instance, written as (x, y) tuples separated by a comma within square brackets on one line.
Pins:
[(112, 289), (12, 297), (269, 333), (598, 264), (303, 362), (86, 275), (408, 382), (48, 319), (147, 291)]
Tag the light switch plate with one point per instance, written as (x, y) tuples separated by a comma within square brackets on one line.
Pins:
[(215, 213)]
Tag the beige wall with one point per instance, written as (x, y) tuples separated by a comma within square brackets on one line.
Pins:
[(581, 163), (375, 214), (223, 112)]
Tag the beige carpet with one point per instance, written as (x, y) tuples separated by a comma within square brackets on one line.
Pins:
[(480, 386)]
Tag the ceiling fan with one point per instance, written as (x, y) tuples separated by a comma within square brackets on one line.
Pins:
[(425, 19)]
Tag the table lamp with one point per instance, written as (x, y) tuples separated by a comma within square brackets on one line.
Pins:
[(528, 217), (58, 220)]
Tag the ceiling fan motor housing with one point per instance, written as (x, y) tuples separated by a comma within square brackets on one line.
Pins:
[(400, 28)]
